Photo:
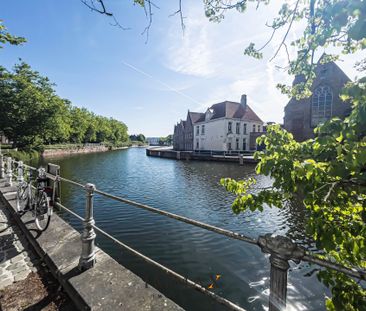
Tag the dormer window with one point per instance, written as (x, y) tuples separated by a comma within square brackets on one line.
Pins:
[(209, 114)]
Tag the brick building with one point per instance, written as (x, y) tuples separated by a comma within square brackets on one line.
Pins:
[(302, 116), (183, 131)]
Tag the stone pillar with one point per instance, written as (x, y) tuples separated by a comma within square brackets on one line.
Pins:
[(20, 177), (87, 258), (281, 249), (2, 166), (9, 173)]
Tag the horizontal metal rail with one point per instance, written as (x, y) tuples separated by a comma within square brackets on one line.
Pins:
[(187, 220)]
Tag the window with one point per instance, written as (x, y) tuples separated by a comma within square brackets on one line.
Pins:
[(245, 129), (197, 144), (321, 105), (229, 146), (197, 130), (253, 128), (237, 144), (323, 73), (244, 144), (203, 130), (259, 128), (229, 129), (237, 128)]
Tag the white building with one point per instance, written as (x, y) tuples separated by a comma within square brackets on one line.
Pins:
[(228, 126), (153, 141)]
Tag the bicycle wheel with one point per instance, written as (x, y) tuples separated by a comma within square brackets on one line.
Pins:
[(42, 211), (22, 201)]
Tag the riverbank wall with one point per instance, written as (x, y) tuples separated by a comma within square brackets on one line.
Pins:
[(106, 286), (78, 149), (190, 155)]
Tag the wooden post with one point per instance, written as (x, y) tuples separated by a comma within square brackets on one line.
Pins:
[(282, 249)]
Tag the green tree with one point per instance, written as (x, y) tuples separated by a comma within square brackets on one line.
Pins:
[(27, 103), (328, 173), (6, 37)]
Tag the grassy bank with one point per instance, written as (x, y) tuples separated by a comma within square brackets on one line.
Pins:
[(22, 155)]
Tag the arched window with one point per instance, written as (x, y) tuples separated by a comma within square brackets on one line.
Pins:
[(321, 105)]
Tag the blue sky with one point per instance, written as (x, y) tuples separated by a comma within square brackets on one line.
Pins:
[(149, 86)]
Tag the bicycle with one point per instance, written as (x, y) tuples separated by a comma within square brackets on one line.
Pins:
[(39, 199)]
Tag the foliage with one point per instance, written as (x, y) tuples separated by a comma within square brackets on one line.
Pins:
[(24, 155), (140, 137), (166, 141), (6, 37), (328, 173), (33, 115)]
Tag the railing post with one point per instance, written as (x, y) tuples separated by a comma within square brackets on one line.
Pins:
[(281, 249), (20, 177), (9, 173), (2, 169), (87, 258)]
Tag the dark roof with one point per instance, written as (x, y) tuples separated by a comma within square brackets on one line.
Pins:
[(228, 109), (196, 116)]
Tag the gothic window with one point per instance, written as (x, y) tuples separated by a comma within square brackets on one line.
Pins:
[(321, 105)]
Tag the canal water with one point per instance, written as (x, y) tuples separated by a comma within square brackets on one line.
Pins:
[(190, 189)]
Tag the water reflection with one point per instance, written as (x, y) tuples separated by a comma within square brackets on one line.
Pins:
[(190, 189)]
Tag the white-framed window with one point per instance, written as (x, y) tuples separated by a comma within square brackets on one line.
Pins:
[(230, 127), (244, 144), (197, 144), (229, 146), (203, 130), (197, 130), (237, 144), (321, 105), (259, 128), (253, 128), (245, 129), (237, 128)]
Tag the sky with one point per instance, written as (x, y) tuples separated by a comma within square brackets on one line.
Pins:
[(150, 84)]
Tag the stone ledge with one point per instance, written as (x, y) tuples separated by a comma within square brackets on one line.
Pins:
[(107, 286)]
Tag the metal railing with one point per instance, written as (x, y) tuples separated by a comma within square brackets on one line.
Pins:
[(280, 248)]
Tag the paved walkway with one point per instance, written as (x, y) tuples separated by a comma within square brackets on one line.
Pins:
[(16, 258)]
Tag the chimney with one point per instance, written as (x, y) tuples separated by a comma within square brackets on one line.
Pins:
[(243, 101)]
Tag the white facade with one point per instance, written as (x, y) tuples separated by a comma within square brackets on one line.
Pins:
[(218, 135)]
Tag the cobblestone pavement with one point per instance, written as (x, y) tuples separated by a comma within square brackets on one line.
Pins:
[(16, 258)]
